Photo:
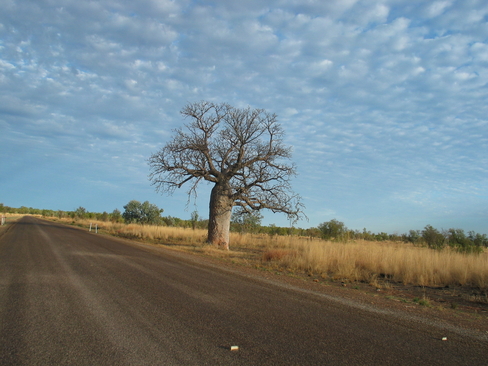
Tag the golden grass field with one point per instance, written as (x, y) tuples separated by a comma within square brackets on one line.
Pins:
[(366, 261)]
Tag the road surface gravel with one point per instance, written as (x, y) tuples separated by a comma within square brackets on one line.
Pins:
[(71, 297)]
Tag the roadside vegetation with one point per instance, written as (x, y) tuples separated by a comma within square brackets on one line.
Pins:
[(355, 260), (6, 219), (330, 252)]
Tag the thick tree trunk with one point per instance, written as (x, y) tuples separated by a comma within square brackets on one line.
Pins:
[(219, 217)]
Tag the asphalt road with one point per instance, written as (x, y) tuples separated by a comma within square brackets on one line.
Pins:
[(69, 297)]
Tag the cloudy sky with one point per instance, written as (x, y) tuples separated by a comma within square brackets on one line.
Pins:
[(384, 102)]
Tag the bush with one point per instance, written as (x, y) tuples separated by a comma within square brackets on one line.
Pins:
[(142, 213), (333, 229), (478, 240), (80, 212), (433, 238), (414, 237)]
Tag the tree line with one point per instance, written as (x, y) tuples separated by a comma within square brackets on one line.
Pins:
[(147, 213), (430, 237)]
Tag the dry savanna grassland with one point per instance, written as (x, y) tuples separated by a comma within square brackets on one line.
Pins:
[(414, 274), (380, 265)]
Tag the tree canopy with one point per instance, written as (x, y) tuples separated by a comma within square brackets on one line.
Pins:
[(142, 213), (333, 229)]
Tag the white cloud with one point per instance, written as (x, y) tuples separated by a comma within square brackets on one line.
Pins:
[(6, 65), (370, 13), (437, 8), (382, 100)]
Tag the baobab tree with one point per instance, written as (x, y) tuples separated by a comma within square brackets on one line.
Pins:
[(240, 151)]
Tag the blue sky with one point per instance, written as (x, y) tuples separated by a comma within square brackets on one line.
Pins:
[(384, 102)]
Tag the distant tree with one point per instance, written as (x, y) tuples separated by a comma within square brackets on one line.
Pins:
[(479, 240), (80, 212), (151, 214), (332, 229), (457, 239), (382, 236), (35, 211), (104, 216), (272, 229), (132, 212), (240, 151), (194, 219), (203, 223), (246, 221), (116, 215), (414, 237), (6, 209), (142, 213), (433, 238), (173, 221), (313, 232), (47, 213), (367, 235)]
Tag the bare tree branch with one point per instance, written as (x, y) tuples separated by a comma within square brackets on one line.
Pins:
[(240, 150)]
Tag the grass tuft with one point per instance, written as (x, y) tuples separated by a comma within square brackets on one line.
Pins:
[(276, 254)]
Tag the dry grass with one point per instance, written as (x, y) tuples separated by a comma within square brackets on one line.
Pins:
[(277, 254), (164, 234), (9, 219), (366, 261)]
